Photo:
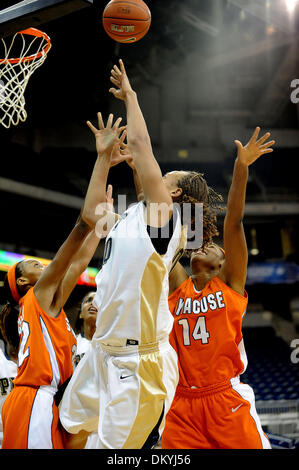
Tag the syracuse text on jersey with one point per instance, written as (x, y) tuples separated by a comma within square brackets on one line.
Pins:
[(190, 305)]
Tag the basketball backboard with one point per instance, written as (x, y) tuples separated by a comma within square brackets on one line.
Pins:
[(32, 13)]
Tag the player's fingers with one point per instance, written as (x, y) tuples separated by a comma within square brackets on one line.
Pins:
[(255, 135), (123, 136), (238, 144), (116, 124), (121, 130), (266, 151), (122, 67), (114, 74), (124, 146), (267, 144), (263, 139), (113, 91), (115, 82), (116, 161), (116, 69), (115, 78), (109, 191), (100, 121), (109, 121), (91, 127)]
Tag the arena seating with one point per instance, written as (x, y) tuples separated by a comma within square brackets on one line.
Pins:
[(270, 371)]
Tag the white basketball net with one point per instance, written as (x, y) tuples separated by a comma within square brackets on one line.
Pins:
[(15, 73)]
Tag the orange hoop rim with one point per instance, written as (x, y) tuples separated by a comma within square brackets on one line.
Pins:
[(31, 32)]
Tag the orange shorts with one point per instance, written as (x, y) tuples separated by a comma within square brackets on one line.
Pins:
[(216, 417), (31, 420)]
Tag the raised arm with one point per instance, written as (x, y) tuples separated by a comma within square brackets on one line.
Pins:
[(84, 255), (106, 138), (234, 270), (48, 289), (139, 143), (176, 277), (121, 154), (79, 263)]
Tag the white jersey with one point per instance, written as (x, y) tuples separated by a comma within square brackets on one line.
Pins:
[(124, 385), (132, 286), (83, 344), (8, 371)]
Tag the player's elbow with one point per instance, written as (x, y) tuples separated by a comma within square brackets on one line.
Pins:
[(234, 222), (234, 214)]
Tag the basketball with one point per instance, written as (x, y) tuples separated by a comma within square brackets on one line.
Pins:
[(126, 21)]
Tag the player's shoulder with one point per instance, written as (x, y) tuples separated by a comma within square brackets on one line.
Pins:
[(216, 282)]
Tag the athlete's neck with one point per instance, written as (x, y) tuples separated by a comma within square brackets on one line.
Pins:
[(11, 353), (89, 331), (200, 280)]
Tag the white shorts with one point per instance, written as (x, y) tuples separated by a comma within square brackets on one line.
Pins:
[(123, 393)]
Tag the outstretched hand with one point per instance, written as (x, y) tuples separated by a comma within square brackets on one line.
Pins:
[(120, 79), (121, 153), (254, 148), (106, 136)]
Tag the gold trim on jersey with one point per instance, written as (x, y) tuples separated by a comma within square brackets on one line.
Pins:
[(150, 293), (151, 390), (150, 369)]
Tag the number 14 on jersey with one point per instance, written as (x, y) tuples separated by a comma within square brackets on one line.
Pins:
[(199, 332)]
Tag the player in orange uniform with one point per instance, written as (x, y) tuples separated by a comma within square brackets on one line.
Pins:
[(211, 408), (47, 343)]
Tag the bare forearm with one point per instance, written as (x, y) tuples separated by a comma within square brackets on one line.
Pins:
[(86, 252), (51, 277), (146, 165), (139, 140), (237, 192), (137, 128), (79, 263), (96, 193)]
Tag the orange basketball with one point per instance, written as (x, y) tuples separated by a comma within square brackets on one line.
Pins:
[(126, 21)]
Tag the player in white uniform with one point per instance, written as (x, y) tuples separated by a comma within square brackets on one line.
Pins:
[(125, 383), (85, 327)]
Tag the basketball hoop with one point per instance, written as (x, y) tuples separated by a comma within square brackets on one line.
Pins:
[(32, 47)]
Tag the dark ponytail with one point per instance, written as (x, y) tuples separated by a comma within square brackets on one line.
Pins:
[(9, 314)]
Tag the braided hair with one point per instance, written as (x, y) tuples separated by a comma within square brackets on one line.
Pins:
[(10, 312), (196, 190)]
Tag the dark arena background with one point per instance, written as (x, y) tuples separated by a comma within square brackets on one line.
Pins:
[(207, 73)]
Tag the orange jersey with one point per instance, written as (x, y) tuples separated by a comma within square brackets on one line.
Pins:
[(47, 345), (207, 333)]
